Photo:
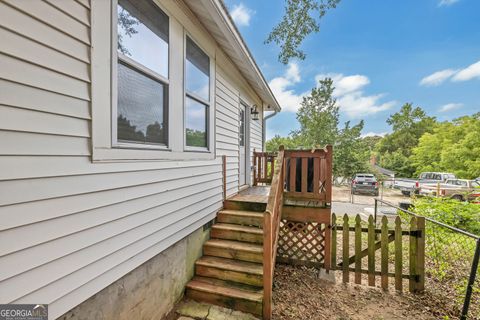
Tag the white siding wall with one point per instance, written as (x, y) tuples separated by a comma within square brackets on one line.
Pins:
[(70, 227), (227, 128)]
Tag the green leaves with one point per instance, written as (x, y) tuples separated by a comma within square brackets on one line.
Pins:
[(452, 147), (409, 124), (300, 20)]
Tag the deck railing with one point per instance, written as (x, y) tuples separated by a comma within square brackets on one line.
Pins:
[(264, 167), (309, 174), (299, 175), (271, 224)]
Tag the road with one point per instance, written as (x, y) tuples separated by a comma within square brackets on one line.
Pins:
[(352, 209)]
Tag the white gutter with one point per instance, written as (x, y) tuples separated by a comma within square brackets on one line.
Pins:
[(264, 127)]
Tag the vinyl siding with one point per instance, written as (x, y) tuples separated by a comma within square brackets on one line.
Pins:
[(227, 128), (70, 227)]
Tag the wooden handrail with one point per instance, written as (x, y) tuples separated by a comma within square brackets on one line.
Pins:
[(271, 224)]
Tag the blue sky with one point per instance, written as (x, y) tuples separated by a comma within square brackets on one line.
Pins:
[(380, 54)]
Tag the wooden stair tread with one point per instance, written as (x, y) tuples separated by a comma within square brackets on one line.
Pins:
[(237, 227), (243, 213), (231, 265), (235, 245), (225, 288)]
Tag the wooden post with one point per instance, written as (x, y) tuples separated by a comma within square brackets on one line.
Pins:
[(255, 182), (358, 249), (384, 253), (398, 255), (346, 247), (421, 254), (371, 252), (224, 176), (413, 255), (334, 242), (328, 178), (267, 265)]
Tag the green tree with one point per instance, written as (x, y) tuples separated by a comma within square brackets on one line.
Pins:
[(349, 155), (274, 144), (408, 125), (318, 117), (451, 146), (301, 18)]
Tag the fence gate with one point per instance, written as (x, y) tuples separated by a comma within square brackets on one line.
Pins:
[(389, 251)]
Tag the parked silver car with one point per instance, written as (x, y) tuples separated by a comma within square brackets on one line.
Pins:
[(365, 183)]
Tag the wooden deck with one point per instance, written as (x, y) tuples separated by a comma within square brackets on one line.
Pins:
[(256, 194)]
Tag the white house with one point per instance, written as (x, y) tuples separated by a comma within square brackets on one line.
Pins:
[(114, 118)]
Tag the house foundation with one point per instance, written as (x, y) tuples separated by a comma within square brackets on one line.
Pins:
[(151, 290)]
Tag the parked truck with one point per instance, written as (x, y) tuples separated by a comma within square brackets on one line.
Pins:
[(460, 189), (412, 186)]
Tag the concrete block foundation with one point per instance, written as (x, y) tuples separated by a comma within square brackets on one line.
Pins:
[(148, 292)]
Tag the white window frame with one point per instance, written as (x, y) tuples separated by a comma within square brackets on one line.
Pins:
[(148, 72), (104, 57), (197, 98)]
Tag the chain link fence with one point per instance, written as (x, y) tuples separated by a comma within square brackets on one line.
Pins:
[(451, 267)]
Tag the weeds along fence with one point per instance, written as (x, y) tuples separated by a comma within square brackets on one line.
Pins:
[(451, 266)]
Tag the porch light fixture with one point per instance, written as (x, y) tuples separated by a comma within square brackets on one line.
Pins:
[(254, 112)]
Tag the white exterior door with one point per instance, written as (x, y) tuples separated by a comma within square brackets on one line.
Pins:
[(243, 145)]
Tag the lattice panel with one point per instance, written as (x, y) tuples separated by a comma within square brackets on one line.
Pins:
[(301, 243)]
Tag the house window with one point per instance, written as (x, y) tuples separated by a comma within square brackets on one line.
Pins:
[(142, 73), (197, 100)]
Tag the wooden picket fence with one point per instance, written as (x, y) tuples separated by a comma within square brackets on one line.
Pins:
[(415, 273)]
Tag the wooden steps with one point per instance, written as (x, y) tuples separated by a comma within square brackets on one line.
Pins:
[(244, 205), (237, 232), (227, 294), (232, 270), (243, 251), (249, 218), (230, 273)]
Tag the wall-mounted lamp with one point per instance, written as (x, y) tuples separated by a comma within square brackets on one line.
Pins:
[(254, 112)]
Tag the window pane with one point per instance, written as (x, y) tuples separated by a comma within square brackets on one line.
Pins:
[(197, 71), (196, 123), (143, 34), (141, 106)]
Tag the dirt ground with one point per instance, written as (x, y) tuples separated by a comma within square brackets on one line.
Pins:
[(343, 194), (299, 294)]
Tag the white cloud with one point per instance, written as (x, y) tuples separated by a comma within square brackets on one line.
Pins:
[(352, 99), (469, 73), (446, 3), (241, 14), (373, 134), (437, 78), (288, 99), (450, 106), (345, 84), (356, 105)]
